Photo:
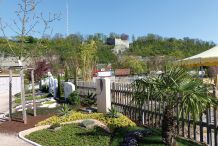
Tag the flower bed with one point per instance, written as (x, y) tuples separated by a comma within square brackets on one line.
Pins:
[(112, 123)]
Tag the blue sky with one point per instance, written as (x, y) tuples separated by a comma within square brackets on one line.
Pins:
[(168, 18)]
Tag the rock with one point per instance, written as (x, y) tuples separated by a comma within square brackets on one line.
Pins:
[(132, 138), (52, 105), (130, 141)]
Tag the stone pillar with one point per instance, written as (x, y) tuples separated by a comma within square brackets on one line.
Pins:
[(103, 91)]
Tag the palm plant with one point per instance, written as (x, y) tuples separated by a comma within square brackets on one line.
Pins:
[(65, 110), (194, 97)]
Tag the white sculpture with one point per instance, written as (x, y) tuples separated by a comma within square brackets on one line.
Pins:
[(68, 89)]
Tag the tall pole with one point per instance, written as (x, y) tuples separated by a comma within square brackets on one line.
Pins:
[(10, 94), (33, 92), (67, 7), (23, 96)]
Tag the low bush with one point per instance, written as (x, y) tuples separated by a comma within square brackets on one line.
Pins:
[(89, 100), (44, 89), (65, 110), (74, 98), (112, 123), (113, 113)]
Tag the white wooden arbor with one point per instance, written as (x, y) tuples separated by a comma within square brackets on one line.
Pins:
[(23, 101)]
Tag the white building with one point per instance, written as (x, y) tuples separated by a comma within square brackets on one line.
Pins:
[(119, 45)]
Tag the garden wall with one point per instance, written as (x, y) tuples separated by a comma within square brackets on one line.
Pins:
[(4, 84)]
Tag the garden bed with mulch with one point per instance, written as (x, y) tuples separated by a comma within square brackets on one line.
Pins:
[(17, 125)]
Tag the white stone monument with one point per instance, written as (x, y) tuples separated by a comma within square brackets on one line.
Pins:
[(103, 91), (55, 87), (50, 83), (68, 89)]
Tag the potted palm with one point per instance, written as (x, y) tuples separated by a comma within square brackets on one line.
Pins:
[(194, 97)]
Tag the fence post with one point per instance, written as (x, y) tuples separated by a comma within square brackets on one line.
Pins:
[(103, 91)]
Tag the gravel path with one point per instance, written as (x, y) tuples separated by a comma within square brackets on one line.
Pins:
[(12, 140)]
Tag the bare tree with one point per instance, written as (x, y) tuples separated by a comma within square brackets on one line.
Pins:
[(25, 25)]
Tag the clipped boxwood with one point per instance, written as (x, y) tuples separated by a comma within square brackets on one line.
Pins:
[(121, 121)]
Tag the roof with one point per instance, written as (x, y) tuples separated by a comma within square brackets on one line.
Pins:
[(122, 72)]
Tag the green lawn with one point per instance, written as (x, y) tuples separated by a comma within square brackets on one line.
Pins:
[(74, 135), (40, 111), (71, 135), (18, 98)]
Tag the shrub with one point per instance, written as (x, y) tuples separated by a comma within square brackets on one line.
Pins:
[(65, 110), (89, 100), (44, 89), (66, 76), (59, 87), (113, 113), (42, 67), (74, 98), (121, 121)]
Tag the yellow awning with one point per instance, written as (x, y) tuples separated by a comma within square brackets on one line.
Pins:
[(206, 58)]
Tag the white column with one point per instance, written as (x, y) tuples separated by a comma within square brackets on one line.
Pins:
[(23, 101), (103, 91)]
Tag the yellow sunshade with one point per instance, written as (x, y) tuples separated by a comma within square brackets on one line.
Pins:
[(206, 58)]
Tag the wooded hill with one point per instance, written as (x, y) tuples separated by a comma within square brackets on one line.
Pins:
[(151, 48)]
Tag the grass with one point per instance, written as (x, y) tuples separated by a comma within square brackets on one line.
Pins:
[(18, 98), (49, 102), (40, 111), (153, 140), (70, 135), (74, 135)]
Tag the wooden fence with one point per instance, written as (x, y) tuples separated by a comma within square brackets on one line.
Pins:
[(151, 114), (85, 88)]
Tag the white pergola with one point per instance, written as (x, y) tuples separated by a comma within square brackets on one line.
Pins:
[(23, 101)]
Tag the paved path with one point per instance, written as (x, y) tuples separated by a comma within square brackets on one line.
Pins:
[(8, 139), (3, 106), (3, 102), (11, 140)]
